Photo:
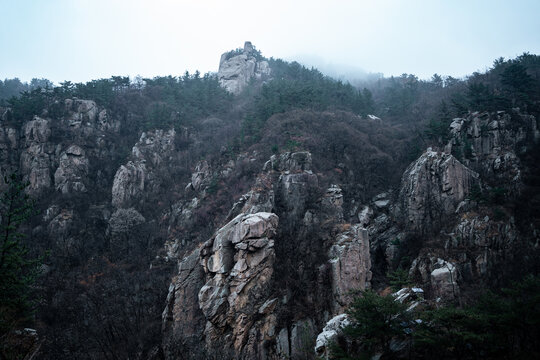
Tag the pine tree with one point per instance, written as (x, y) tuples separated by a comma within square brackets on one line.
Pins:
[(17, 271)]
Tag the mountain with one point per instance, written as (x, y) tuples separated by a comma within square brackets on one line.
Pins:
[(232, 215)]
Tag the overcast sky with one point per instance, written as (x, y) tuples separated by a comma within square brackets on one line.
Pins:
[(80, 40)]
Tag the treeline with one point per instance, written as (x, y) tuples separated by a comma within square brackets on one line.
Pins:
[(161, 102), (296, 87), (14, 87), (504, 325)]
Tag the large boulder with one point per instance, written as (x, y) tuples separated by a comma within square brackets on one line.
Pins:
[(331, 330)]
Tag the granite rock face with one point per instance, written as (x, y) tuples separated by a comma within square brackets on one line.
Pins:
[(236, 69), (238, 264), (243, 296), (432, 187), (329, 333), (489, 143), (71, 174), (139, 177), (350, 265), (36, 156)]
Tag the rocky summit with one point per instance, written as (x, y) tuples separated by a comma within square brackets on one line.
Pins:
[(253, 213)]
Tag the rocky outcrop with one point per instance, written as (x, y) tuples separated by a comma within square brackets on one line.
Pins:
[(183, 320), (350, 266), (488, 143), (124, 220), (71, 175), (128, 184), (36, 156), (140, 175), (438, 275), (244, 296), (237, 68), (432, 187), (222, 289), (81, 112), (331, 330), (238, 263), (292, 162)]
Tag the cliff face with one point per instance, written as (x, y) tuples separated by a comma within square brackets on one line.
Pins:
[(236, 69), (255, 254), (236, 292)]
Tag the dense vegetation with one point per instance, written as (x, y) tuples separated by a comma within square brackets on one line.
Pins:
[(102, 300), (18, 270), (503, 325)]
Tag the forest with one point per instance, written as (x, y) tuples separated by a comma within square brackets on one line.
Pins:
[(94, 290)]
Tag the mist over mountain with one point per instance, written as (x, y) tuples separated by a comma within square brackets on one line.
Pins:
[(272, 210)]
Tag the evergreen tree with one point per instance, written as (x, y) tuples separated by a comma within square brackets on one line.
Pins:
[(17, 271)]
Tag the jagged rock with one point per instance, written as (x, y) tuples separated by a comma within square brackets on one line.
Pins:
[(332, 202), (237, 69), (35, 159), (202, 176), (181, 218), (81, 112), (487, 143), (183, 320), (139, 176), (437, 274), (8, 140), (431, 189), (292, 193), (350, 265), (238, 262), (365, 215), (292, 162), (330, 331), (381, 201), (154, 146), (129, 182), (302, 336), (106, 123), (490, 244), (72, 172), (36, 131)]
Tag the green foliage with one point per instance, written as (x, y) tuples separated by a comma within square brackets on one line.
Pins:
[(375, 320), (498, 326), (400, 94), (296, 87), (399, 279), (476, 194), (17, 271), (213, 186), (439, 127)]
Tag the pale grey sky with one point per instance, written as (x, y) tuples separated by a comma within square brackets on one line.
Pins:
[(80, 40)]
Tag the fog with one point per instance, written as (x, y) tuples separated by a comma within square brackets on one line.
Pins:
[(88, 39)]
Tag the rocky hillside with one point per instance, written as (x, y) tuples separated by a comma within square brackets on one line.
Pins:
[(232, 216)]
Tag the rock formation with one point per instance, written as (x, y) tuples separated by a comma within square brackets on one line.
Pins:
[(237, 68), (432, 188), (240, 306), (139, 175)]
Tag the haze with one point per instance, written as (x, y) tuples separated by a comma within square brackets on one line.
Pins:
[(89, 39)]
